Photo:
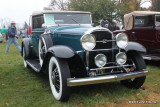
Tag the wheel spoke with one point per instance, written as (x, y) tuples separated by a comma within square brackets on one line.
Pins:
[(55, 79)]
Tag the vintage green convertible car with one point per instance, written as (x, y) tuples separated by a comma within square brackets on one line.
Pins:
[(72, 52)]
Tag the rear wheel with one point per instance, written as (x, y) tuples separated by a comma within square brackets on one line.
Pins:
[(24, 59), (138, 65), (58, 74), (42, 50)]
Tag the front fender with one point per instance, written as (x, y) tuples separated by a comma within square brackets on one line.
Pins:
[(75, 62), (61, 51), (58, 51), (134, 46)]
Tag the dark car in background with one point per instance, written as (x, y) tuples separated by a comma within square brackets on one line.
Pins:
[(144, 27)]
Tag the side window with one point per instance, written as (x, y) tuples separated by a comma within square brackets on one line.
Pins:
[(143, 21), (37, 21), (157, 22)]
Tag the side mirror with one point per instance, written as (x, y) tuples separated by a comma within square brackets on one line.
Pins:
[(30, 30)]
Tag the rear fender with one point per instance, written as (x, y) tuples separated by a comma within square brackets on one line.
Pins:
[(26, 46)]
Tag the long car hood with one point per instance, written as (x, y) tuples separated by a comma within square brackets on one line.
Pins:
[(72, 30)]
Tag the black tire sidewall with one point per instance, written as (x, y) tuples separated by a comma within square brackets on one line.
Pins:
[(140, 65)]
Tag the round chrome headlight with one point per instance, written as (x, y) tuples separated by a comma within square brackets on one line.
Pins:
[(121, 58), (100, 60), (121, 40), (88, 42)]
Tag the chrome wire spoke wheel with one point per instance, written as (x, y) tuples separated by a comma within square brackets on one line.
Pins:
[(55, 79), (131, 68), (42, 50)]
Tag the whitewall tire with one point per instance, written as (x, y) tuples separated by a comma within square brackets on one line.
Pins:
[(24, 59), (58, 74)]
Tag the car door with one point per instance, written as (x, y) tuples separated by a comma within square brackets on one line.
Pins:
[(37, 30), (143, 31), (157, 28)]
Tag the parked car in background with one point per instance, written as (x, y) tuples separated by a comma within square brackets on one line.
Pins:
[(72, 52), (144, 27)]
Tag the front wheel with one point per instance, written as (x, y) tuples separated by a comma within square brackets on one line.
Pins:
[(58, 74), (138, 62)]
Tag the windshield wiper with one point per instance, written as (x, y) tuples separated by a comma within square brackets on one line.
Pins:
[(76, 22)]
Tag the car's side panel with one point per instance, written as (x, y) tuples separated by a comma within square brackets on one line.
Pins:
[(144, 36), (69, 36), (71, 41)]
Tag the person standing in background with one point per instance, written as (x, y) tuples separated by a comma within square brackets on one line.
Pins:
[(115, 27), (12, 34), (4, 33)]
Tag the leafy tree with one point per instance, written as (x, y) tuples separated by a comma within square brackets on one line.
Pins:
[(58, 5), (100, 9), (155, 5)]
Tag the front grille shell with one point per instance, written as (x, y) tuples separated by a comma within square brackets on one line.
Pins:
[(105, 44)]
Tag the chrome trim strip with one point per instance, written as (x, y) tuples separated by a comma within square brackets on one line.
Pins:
[(87, 59), (104, 79), (103, 49), (68, 34), (32, 66), (112, 67), (106, 41), (79, 51), (91, 30)]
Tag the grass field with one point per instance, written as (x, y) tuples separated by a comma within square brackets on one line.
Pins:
[(20, 87)]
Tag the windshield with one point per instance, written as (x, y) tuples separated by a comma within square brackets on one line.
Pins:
[(67, 18)]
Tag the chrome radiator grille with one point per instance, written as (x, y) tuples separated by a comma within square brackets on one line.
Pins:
[(104, 40)]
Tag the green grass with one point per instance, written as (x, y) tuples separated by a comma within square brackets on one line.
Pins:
[(20, 87)]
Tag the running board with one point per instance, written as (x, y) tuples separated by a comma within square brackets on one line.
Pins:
[(34, 64), (150, 57), (147, 58)]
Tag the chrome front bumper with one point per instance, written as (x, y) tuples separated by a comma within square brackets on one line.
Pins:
[(103, 79)]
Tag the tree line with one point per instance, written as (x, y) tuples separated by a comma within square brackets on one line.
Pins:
[(103, 9)]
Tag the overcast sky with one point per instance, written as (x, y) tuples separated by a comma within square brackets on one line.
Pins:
[(20, 10)]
